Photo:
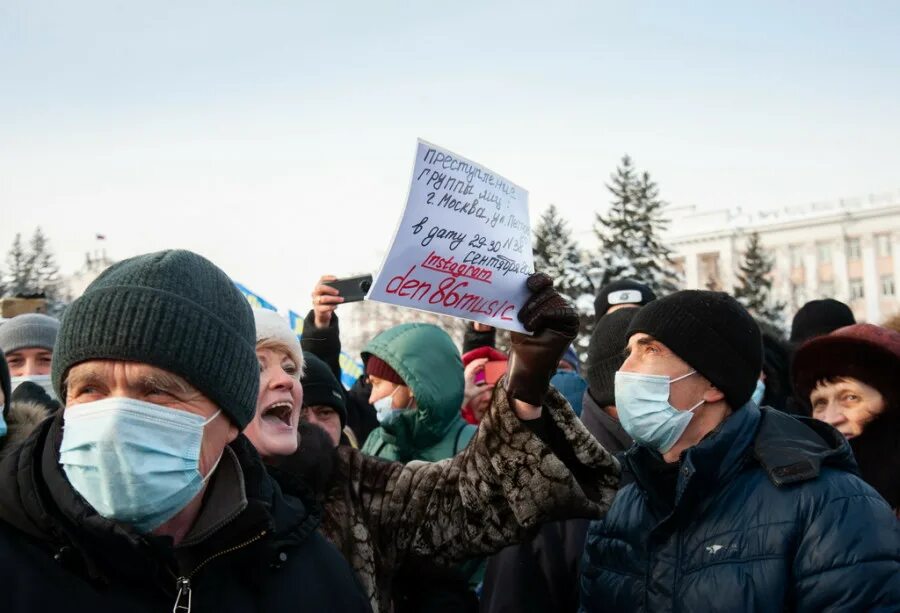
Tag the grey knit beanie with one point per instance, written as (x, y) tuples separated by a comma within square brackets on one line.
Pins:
[(29, 330), (174, 310)]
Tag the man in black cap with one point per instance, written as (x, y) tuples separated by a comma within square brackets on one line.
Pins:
[(621, 294), (324, 403), (733, 507), (142, 494), (818, 318)]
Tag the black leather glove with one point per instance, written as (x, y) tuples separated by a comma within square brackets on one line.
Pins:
[(534, 359)]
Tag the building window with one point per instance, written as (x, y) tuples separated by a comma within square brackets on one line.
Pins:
[(854, 249), (796, 255), (823, 250), (883, 244), (856, 289), (887, 286), (798, 295), (826, 290)]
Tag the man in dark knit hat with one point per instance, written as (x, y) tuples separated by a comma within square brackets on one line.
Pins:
[(733, 507), (818, 318), (324, 401), (599, 413), (621, 294), (141, 494)]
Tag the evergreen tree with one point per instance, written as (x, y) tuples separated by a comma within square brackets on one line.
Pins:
[(755, 289), (629, 234), (43, 264), (20, 279), (556, 254)]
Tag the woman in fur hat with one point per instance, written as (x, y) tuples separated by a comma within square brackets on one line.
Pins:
[(849, 378)]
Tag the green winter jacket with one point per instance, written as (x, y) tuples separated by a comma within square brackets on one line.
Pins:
[(427, 360)]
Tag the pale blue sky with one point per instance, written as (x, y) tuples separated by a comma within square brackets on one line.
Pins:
[(277, 137)]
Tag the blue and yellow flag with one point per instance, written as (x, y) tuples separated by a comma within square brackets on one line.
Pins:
[(254, 299), (351, 370), (296, 323)]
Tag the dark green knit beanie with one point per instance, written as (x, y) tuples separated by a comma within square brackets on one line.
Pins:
[(174, 310)]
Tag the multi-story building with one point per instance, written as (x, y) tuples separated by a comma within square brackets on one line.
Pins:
[(94, 263), (846, 249)]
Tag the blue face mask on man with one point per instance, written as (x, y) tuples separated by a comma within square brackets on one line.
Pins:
[(759, 393), (134, 462), (642, 402), (42, 380)]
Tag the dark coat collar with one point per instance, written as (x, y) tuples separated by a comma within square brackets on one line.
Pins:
[(788, 448), (36, 498)]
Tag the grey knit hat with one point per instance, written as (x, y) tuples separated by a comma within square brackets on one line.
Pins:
[(29, 330), (174, 310)]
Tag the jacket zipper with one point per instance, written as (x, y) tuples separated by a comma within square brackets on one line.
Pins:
[(183, 584)]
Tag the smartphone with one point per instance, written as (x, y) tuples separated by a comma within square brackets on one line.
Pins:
[(352, 289), (493, 371)]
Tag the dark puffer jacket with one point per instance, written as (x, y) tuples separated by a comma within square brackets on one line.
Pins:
[(765, 514), (58, 554)]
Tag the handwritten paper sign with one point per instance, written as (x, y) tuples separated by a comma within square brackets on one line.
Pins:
[(463, 246)]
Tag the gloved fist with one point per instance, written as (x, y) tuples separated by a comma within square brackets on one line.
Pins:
[(534, 359)]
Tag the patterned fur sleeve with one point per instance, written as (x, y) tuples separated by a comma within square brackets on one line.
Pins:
[(505, 483)]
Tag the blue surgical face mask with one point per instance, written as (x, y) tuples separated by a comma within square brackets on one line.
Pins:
[(42, 380), (758, 393), (134, 462), (384, 407), (2, 421), (643, 405)]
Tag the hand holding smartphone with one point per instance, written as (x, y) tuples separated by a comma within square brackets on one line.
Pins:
[(352, 289)]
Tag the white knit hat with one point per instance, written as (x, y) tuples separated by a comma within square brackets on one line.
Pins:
[(272, 326)]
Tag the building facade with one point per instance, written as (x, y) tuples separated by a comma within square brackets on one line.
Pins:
[(847, 249)]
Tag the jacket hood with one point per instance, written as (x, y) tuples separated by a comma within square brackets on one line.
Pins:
[(23, 417), (792, 448), (430, 364)]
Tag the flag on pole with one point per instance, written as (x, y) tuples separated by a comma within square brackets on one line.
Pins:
[(351, 370), (255, 299), (296, 323)]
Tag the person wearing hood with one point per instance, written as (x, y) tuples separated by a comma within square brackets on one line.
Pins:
[(849, 378), (733, 507), (416, 375), (27, 340), (530, 461), (141, 494)]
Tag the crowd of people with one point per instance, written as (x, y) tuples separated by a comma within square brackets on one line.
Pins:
[(167, 447)]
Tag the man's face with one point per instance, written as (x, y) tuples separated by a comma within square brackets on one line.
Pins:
[(646, 355), (847, 404), (29, 361), (273, 430), (101, 379), (326, 418)]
